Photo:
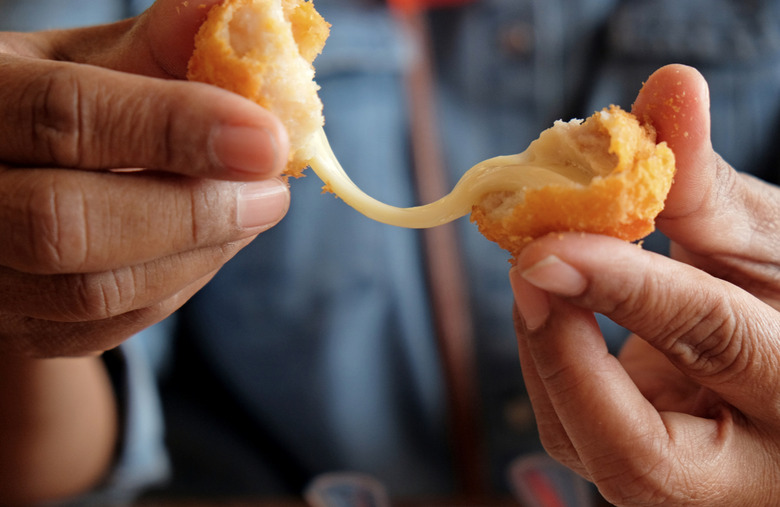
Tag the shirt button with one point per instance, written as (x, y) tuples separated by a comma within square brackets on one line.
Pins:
[(519, 415), (517, 40)]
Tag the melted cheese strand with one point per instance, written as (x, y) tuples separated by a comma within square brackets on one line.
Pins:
[(510, 173)]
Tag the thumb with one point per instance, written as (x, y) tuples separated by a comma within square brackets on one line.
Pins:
[(675, 102), (719, 220), (172, 25), (157, 43)]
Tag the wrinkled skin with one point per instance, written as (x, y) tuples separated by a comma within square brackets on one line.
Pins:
[(93, 256), (688, 414), (123, 189)]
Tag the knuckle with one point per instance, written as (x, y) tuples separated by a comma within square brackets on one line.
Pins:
[(58, 238), (711, 344), (169, 156), (176, 135), (206, 201), (58, 115), (630, 301), (701, 332), (559, 449), (72, 121), (104, 295)]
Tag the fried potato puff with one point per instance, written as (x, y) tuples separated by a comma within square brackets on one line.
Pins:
[(264, 50), (603, 175)]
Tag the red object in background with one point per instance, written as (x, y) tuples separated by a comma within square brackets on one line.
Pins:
[(417, 5)]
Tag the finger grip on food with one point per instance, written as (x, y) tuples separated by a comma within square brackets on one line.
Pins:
[(604, 175)]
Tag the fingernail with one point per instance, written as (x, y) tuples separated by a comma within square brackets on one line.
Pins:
[(245, 149), (532, 303), (553, 275), (261, 204)]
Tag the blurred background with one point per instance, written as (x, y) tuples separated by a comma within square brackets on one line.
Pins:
[(334, 343)]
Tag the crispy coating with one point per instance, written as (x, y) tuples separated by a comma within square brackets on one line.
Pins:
[(631, 176), (264, 50)]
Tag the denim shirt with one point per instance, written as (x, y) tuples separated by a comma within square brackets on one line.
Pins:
[(313, 350), (21, 15)]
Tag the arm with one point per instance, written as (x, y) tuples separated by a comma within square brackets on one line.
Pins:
[(688, 414), (95, 255), (54, 408)]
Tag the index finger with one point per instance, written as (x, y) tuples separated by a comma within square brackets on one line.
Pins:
[(57, 221), (714, 332), (67, 115), (596, 420)]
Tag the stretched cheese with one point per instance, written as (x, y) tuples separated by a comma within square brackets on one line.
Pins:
[(605, 174), (512, 172)]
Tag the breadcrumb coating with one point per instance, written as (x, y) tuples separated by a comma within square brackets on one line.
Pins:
[(605, 175), (630, 177), (264, 50)]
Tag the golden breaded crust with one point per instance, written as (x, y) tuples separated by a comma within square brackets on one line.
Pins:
[(263, 50), (623, 203), (310, 30)]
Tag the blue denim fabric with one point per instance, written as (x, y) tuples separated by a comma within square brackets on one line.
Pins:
[(41, 15), (736, 45), (513, 66), (321, 327), (20, 15)]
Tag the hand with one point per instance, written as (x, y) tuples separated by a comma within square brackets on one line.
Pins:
[(719, 220), (688, 414), (93, 252)]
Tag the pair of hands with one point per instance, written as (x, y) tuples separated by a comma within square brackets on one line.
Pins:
[(93, 252), (688, 414)]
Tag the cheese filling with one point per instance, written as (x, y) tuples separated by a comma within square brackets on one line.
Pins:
[(542, 164)]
